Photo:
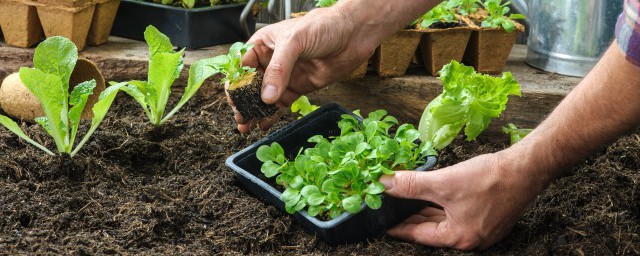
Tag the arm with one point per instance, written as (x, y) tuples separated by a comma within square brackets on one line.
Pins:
[(484, 196), (304, 54)]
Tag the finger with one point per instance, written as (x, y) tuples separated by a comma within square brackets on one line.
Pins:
[(277, 74), (418, 218), (413, 185), (251, 58), (434, 234), (244, 128), (267, 122), (431, 211)]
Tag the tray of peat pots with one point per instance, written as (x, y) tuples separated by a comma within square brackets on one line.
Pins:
[(393, 56), (26, 22), (493, 37), (189, 24), (445, 37), (324, 169)]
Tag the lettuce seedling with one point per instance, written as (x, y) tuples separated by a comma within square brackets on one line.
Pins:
[(497, 12), (54, 60), (325, 3), (515, 133), (339, 175), (165, 66), (303, 106), (468, 100), (463, 7), (443, 12)]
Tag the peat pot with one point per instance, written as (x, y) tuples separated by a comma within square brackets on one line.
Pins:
[(346, 228)]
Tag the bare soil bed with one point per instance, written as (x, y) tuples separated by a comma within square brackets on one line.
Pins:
[(135, 189)]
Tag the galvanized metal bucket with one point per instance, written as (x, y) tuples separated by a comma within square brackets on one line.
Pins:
[(569, 36)]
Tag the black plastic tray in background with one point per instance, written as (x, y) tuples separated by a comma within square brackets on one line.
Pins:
[(190, 28), (347, 228)]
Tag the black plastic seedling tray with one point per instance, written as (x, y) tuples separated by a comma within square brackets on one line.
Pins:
[(347, 228), (190, 28)]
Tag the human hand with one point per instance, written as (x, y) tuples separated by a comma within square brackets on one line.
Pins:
[(301, 55), (482, 199)]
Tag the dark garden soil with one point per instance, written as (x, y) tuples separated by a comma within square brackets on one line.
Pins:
[(136, 189)]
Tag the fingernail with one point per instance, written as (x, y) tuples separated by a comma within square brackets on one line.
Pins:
[(387, 181), (269, 93)]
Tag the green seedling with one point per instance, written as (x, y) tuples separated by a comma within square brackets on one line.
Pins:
[(468, 100), (497, 12), (54, 61), (515, 133), (443, 12), (338, 175), (165, 66), (325, 3), (464, 7), (303, 106)]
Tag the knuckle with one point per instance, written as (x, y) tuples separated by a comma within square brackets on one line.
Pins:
[(406, 181), (275, 69), (467, 242)]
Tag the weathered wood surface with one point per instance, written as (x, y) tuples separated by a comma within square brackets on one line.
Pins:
[(405, 97)]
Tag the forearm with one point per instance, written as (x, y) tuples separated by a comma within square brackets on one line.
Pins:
[(375, 20), (605, 105)]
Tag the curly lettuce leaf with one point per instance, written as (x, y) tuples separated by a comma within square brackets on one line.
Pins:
[(468, 100)]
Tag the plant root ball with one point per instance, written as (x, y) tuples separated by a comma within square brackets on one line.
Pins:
[(246, 97), (17, 101)]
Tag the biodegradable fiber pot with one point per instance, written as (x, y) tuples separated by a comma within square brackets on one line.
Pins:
[(393, 56), (17, 101), (245, 95), (102, 21), (346, 228), (489, 48), (20, 23), (71, 19), (439, 47)]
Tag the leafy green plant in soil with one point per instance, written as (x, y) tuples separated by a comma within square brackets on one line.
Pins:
[(303, 107), (497, 11), (442, 13), (463, 7), (338, 174), (516, 134), (54, 60), (165, 66), (244, 83), (468, 100)]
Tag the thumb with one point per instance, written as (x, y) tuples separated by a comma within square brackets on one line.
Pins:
[(411, 185), (278, 72)]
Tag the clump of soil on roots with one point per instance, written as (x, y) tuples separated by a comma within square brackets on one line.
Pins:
[(136, 189)]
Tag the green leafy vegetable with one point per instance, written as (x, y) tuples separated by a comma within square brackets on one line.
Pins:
[(497, 12), (325, 3), (303, 106), (197, 3), (515, 133), (230, 65), (444, 12), (463, 7), (337, 176), (165, 66), (54, 60), (468, 100)]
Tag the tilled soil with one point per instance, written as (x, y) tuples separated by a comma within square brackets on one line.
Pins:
[(136, 189)]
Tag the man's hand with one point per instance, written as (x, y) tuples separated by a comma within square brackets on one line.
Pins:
[(304, 54), (300, 55), (482, 200)]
